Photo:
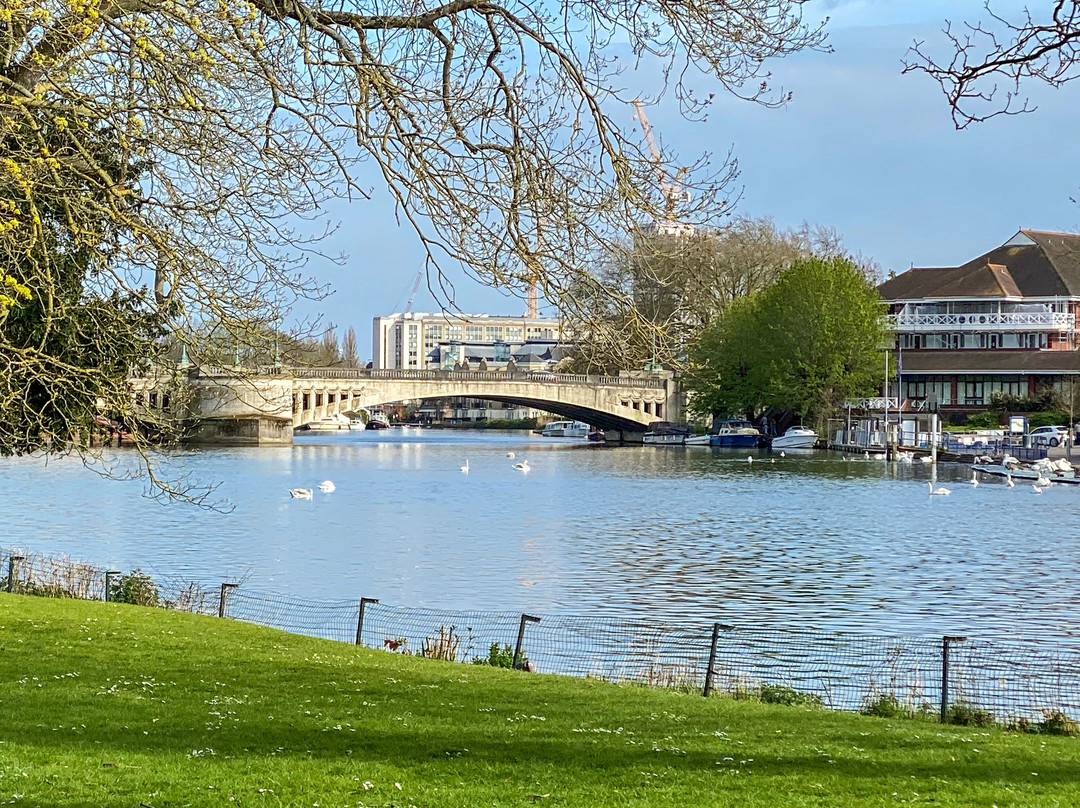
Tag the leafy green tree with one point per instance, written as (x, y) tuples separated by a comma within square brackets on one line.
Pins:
[(806, 343)]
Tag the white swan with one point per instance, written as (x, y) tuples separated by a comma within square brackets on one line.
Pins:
[(523, 466), (301, 493), (510, 454), (974, 478), (1036, 489), (783, 455), (1009, 481), (749, 458), (1042, 481), (943, 492), (465, 468), (327, 486)]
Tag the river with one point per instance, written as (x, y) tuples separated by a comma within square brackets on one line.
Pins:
[(809, 539)]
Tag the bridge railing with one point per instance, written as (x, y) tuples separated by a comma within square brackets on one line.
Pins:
[(476, 375)]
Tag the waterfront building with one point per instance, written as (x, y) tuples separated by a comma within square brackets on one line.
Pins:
[(418, 341), (1005, 322)]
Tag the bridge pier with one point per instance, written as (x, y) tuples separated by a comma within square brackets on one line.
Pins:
[(256, 430)]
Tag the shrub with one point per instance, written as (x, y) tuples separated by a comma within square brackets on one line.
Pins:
[(983, 420), (501, 656), (1054, 722), (782, 694), (885, 705), (968, 715), (444, 646), (1037, 419), (136, 587)]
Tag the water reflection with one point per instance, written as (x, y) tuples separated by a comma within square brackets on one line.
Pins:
[(807, 539)]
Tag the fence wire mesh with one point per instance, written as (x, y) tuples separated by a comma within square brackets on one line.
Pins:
[(1030, 683)]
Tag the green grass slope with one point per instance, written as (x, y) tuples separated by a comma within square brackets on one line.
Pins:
[(113, 705)]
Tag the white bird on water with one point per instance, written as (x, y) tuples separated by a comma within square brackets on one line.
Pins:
[(327, 486), (301, 493), (943, 492), (465, 468), (1009, 481), (783, 455), (1036, 489), (974, 478), (749, 458), (523, 466), (510, 454)]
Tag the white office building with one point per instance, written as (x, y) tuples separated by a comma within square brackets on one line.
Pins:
[(418, 341)]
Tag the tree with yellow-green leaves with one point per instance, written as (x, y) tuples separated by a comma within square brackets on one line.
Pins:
[(165, 162)]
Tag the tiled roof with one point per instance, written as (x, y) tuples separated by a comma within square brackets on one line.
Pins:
[(1031, 264)]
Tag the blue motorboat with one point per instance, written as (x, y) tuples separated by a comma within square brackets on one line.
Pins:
[(735, 433)]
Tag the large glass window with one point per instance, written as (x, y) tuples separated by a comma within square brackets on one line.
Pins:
[(474, 333), (453, 332), (493, 332), (513, 333)]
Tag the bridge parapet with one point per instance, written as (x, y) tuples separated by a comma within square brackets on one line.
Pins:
[(648, 382)]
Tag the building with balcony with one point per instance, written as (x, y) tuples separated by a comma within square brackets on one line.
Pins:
[(1006, 322)]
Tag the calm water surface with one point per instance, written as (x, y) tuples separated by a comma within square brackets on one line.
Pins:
[(808, 539)]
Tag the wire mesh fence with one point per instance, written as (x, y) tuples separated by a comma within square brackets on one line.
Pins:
[(1027, 683)]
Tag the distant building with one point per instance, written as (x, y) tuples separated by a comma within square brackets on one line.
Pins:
[(1004, 322), (441, 341), (418, 341)]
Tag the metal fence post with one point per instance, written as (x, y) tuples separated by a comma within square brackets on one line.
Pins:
[(360, 618), (711, 667), (946, 641), (12, 561), (108, 582), (221, 604), (525, 618)]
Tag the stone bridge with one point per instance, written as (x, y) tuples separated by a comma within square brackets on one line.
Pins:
[(263, 406)]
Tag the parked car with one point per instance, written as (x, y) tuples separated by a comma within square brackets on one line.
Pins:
[(1047, 435)]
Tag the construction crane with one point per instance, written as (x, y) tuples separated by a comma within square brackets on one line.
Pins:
[(672, 189), (415, 286)]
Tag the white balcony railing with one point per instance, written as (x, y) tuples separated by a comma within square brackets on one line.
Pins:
[(985, 321)]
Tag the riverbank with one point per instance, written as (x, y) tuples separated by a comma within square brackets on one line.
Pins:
[(115, 705)]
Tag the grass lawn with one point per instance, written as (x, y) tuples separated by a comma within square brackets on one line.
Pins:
[(115, 705)]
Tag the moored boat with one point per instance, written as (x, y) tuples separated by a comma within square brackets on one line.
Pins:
[(667, 434), (698, 440), (565, 429), (735, 433), (378, 420), (797, 437)]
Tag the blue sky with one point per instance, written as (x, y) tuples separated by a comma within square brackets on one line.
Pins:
[(860, 148)]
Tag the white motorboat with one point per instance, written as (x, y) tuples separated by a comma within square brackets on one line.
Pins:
[(698, 440), (797, 437), (336, 421), (565, 429)]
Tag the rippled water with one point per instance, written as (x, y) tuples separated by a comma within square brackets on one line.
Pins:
[(808, 539)]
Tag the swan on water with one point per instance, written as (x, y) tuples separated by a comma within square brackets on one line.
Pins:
[(1036, 489), (522, 466), (974, 478), (1009, 481), (783, 455), (327, 486), (1042, 481), (301, 493), (465, 468), (510, 454), (749, 458), (944, 492)]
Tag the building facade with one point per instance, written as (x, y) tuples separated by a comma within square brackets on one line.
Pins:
[(418, 341), (442, 341), (1005, 322)]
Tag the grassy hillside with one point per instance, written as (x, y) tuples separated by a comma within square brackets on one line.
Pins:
[(115, 705)]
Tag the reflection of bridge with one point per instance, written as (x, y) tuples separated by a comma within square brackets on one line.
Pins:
[(231, 405)]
